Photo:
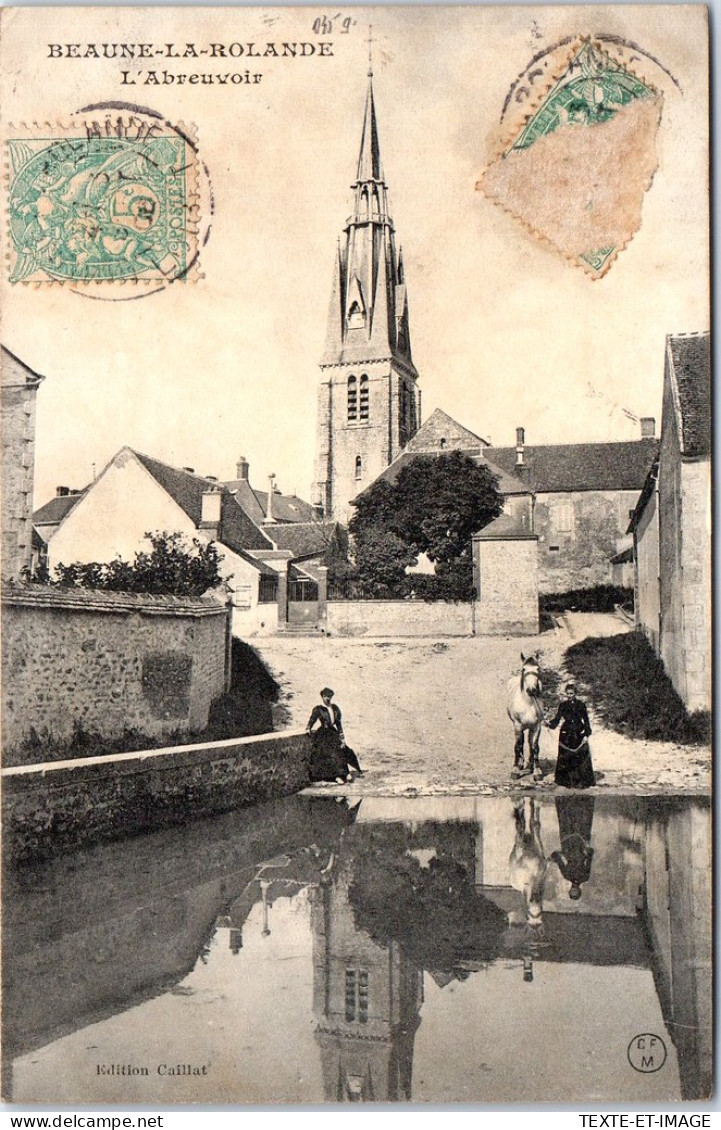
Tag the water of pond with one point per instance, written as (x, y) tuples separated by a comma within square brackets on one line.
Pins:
[(435, 949)]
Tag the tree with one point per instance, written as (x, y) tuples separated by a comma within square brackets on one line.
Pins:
[(172, 568), (434, 507), (381, 560)]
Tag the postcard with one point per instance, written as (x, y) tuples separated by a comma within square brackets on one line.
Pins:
[(356, 555)]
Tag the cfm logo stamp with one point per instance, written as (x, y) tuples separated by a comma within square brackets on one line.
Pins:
[(647, 1053)]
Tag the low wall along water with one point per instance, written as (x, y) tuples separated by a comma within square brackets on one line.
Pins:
[(63, 804)]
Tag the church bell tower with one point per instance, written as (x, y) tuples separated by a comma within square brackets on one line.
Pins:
[(369, 400)]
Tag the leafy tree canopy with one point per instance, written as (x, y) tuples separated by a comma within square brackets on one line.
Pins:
[(434, 507), (173, 567)]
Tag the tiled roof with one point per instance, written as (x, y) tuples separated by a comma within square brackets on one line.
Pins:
[(648, 488), (505, 526), (54, 511), (286, 507), (237, 530), (303, 538), (581, 466), (690, 369), (6, 355)]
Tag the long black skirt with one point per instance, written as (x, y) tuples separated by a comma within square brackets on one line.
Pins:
[(574, 768), (329, 760)]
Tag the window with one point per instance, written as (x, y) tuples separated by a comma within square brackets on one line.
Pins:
[(352, 400), (563, 516), (356, 318), (358, 467), (302, 591), (268, 590), (364, 398), (356, 995)]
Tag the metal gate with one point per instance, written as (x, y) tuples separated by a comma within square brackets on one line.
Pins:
[(302, 601)]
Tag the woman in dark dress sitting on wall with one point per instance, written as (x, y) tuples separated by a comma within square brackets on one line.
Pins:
[(331, 759), (574, 768)]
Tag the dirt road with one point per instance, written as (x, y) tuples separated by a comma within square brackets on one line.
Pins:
[(429, 716)]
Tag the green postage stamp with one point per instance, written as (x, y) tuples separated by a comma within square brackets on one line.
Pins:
[(118, 204)]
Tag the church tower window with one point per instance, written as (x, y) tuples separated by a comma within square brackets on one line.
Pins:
[(352, 400), (356, 995), (364, 398), (358, 467)]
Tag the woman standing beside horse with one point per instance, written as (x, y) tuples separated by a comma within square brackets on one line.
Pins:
[(574, 768)]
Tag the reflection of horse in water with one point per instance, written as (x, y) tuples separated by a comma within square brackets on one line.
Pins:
[(525, 709), (527, 862)]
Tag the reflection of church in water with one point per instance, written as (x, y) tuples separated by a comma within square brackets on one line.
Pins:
[(366, 1000), (465, 907)]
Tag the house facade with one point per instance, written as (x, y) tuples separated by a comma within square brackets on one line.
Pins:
[(671, 526), (583, 496), (135, 495), (19, 391)]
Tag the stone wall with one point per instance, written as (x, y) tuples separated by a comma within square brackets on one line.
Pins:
[(398, 618), (697, 583), (17, 422), (108, 662), (669, 527), (578, 533), (255, 620), (66, 803), (506, 573), (646, 579)]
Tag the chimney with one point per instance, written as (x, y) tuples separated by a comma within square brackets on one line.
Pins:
[(242, 468), (269, 517), (520, 443), (62, 492), (648, 427), (210, 511)]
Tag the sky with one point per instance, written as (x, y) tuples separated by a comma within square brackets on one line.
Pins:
[(504, 331)]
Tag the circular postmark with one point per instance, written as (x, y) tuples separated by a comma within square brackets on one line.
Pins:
[(647, 1053), (117, 196)]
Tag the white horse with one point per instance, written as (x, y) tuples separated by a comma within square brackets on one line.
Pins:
[(527, 864), (525, 709)]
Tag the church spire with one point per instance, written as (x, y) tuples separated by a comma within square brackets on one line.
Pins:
[(369, 158), (369, 402)]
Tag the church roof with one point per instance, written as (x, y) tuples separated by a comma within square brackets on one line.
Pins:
[(565, 467), (441, 432), (689, 370)]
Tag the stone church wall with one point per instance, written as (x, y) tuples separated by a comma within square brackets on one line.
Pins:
[(108, 662)]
